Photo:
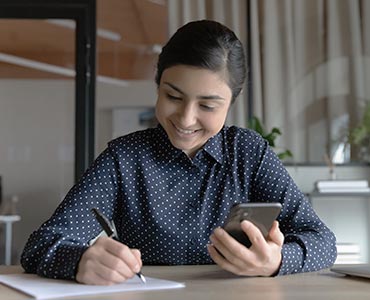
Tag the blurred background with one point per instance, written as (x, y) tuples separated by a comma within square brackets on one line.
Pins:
[(309, 68)]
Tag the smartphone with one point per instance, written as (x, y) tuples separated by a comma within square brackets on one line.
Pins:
[(261, 215)]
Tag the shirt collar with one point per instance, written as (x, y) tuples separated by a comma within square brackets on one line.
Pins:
[(165, 150), (214, 146)]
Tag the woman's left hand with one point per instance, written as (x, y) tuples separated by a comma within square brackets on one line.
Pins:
[(263, 258)]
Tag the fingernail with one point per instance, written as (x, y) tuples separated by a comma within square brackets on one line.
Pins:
[(209, 245), (218, 230), (246, 222)]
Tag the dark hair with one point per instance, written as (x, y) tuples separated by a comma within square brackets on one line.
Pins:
[(206, 44)]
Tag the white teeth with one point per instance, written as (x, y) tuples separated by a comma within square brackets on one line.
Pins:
[(185, 131)]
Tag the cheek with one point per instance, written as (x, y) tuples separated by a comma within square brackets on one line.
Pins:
[(220, 119), (162, 109), (213, 124)]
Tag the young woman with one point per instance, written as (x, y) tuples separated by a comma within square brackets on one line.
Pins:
[(169, 189)]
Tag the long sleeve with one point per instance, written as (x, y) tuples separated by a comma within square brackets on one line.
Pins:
[(309, 244), (167, 206), (54, 250)]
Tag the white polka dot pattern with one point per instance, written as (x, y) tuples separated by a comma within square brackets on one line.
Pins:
[(167, 205)]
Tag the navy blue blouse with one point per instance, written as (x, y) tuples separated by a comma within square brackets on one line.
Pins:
[(167, 205)]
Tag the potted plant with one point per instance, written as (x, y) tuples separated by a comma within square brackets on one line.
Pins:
[(360, 135)]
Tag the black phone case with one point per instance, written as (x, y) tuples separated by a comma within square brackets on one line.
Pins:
[(260, 214)]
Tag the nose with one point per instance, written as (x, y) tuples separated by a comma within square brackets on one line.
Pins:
[(187, 115)]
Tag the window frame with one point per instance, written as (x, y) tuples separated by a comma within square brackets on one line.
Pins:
[(83, 12)]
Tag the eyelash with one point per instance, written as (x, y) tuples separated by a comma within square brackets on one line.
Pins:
[(203, 106), (207, 108), (173, 97)]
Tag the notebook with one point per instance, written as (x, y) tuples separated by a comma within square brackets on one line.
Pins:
[(361, 270)]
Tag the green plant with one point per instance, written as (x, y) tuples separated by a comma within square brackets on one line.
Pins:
[(360, 135), (255, 124)]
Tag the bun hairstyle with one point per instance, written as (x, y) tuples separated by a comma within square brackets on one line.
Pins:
[(209, 45)]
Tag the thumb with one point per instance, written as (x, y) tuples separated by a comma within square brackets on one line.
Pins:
[(275, 235)]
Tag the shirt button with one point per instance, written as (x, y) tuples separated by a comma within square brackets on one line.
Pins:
[(193, 241)]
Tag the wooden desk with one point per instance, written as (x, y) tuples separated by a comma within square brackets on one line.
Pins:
[(209, 282)]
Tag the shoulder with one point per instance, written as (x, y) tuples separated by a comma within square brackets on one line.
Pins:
[(243, 137), (243, 145), (135, 142)]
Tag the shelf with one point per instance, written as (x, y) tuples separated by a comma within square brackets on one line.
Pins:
[(343, 194), (9, 218)]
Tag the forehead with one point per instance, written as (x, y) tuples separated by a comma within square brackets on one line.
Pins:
[(189, 78)]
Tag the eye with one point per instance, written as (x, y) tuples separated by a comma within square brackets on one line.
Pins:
[(207, 107), (172, 97)]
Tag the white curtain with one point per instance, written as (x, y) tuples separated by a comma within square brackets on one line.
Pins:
[(231, 13), (311, 71)]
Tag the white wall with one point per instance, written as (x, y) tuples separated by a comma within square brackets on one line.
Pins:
[(36, 148), (37, 142), (108, 97)]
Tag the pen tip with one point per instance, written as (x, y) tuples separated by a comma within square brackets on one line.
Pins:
[(142, 277)]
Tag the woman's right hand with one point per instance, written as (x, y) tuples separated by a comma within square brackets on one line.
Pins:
[(107, 262)]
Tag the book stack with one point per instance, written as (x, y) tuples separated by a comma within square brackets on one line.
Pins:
[(348, 253), (342, 186)]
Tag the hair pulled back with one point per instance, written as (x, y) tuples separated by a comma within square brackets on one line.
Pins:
[(209, 45)]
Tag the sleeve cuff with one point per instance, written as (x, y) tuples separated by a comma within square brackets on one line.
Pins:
[(292, 259), (63, 263)]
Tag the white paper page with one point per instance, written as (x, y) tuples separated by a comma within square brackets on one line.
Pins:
[(45, 288)]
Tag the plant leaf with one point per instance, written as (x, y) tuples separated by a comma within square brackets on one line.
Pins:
[(358, 134), (285, 154), (255, 124)]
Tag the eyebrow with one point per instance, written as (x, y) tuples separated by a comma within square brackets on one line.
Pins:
[(202, 97)]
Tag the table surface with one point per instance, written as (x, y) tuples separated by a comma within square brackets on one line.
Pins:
[(209, 282)]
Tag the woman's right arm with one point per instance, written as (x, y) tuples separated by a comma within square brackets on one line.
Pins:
[(56, 248)]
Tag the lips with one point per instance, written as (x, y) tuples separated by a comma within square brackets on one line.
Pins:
[(184, 132)]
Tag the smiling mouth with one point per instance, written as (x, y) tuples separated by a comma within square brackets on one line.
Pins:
[(184, 131)]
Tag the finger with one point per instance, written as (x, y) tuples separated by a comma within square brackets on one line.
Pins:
[(117, 256), (92, 272), (98, 257), (220, 243), (230, 248), (255, 235), (215, 254), (116, 264), (125, 254), (110, 276), (137, 254), (221, 261), (275, 235)]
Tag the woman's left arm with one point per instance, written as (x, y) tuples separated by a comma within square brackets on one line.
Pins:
[(309, 245), (300, 242)]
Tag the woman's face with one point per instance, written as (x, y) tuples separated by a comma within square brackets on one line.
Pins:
[(192, 105)]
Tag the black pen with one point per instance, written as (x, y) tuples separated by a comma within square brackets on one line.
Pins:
[(110, 229)]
